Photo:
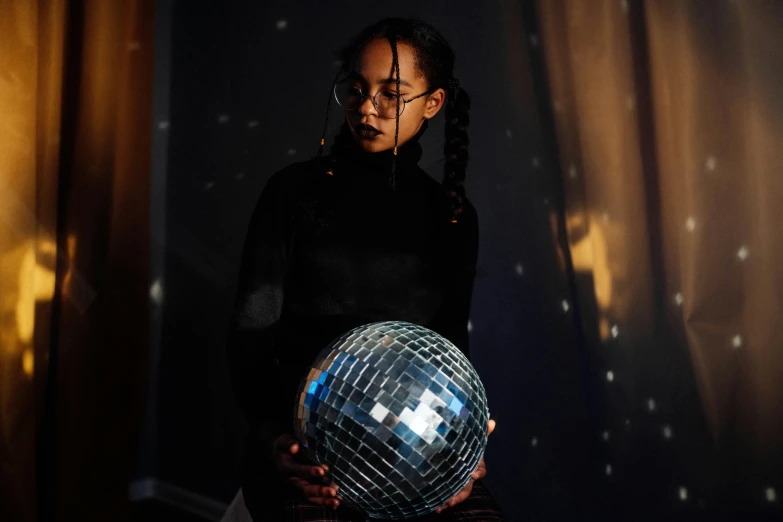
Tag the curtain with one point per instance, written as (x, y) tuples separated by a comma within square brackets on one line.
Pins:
[(75, 127), (667, 121)]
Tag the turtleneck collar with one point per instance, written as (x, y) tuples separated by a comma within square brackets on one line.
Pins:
[(362, 163)]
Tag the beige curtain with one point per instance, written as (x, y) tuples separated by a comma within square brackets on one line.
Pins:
[(75, 123), (669, 128)]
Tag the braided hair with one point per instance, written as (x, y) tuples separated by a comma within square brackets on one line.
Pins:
[(435, 60)]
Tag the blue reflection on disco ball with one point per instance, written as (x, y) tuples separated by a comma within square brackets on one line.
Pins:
[(399, 415)]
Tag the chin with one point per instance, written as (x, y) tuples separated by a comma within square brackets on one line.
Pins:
[(375, 145), (372, 146)]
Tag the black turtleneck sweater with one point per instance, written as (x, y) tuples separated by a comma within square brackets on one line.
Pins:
[(324, 254)]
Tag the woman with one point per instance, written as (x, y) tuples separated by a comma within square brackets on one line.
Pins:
[(359, 236)]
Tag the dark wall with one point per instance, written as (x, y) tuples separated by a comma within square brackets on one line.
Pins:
[(244, 97)]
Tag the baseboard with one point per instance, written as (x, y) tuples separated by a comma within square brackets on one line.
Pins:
[(151, 488)]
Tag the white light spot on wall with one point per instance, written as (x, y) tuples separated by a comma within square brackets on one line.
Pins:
[(240, 175), (163, 125), (624, 5), (683, 493), (605, 436), (651, 405), (281, 25), (519, 269), (546, 201), (535, 162), (470, 326), (627, 423), (533, 40), (711, 163), (615, 331), (209, 185), (605, 217), (771, 495), (678, 299), (742, 253), (737, 342), (608, 470), (565, 305), (252, 124), (610, 376), (291, 152), (509, 134), (222, 118), (534, 442), (690, 224), (630, 103), (667, 432), (572, 171), (156, 292)]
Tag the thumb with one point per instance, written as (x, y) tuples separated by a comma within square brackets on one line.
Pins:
[(287, 443)]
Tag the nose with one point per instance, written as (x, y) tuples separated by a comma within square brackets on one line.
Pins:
[(367, 107)]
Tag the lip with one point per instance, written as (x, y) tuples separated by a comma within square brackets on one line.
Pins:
[(367, 131)]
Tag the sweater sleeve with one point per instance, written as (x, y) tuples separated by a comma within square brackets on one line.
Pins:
[(461, 257), (255, 321)]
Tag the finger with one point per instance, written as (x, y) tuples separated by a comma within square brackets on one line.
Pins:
[(462, 495), (459, 497), (316, 494), (481, 470), (491, 426), (290, 467), (316, 491), (286, 444)]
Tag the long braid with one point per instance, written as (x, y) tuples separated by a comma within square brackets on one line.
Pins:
[(326, 118), (455, 147), (395, 58)]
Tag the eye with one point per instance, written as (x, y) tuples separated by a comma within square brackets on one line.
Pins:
[(388, 95)]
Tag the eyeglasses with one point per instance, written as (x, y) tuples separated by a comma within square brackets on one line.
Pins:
[(351, 98)]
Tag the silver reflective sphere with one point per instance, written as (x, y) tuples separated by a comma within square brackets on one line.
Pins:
[(399, 415)]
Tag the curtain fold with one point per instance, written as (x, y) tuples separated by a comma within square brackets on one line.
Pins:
[(668, 124), (75, 127)]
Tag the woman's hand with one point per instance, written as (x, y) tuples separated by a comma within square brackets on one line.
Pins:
[(480, 472), (304, 478)]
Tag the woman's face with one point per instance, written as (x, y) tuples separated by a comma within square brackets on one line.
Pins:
[(374, 71)]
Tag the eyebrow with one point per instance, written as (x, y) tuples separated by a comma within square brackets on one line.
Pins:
[(385, 81)]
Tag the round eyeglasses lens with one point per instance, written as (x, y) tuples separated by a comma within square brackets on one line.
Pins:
[(350, 97)]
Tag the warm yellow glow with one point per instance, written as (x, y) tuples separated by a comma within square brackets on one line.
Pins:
[(28, 362), (36, 283), (590, 254), (603, 328), (71, 248)]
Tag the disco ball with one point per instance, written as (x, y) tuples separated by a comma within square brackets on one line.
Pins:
[(398, 414)]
